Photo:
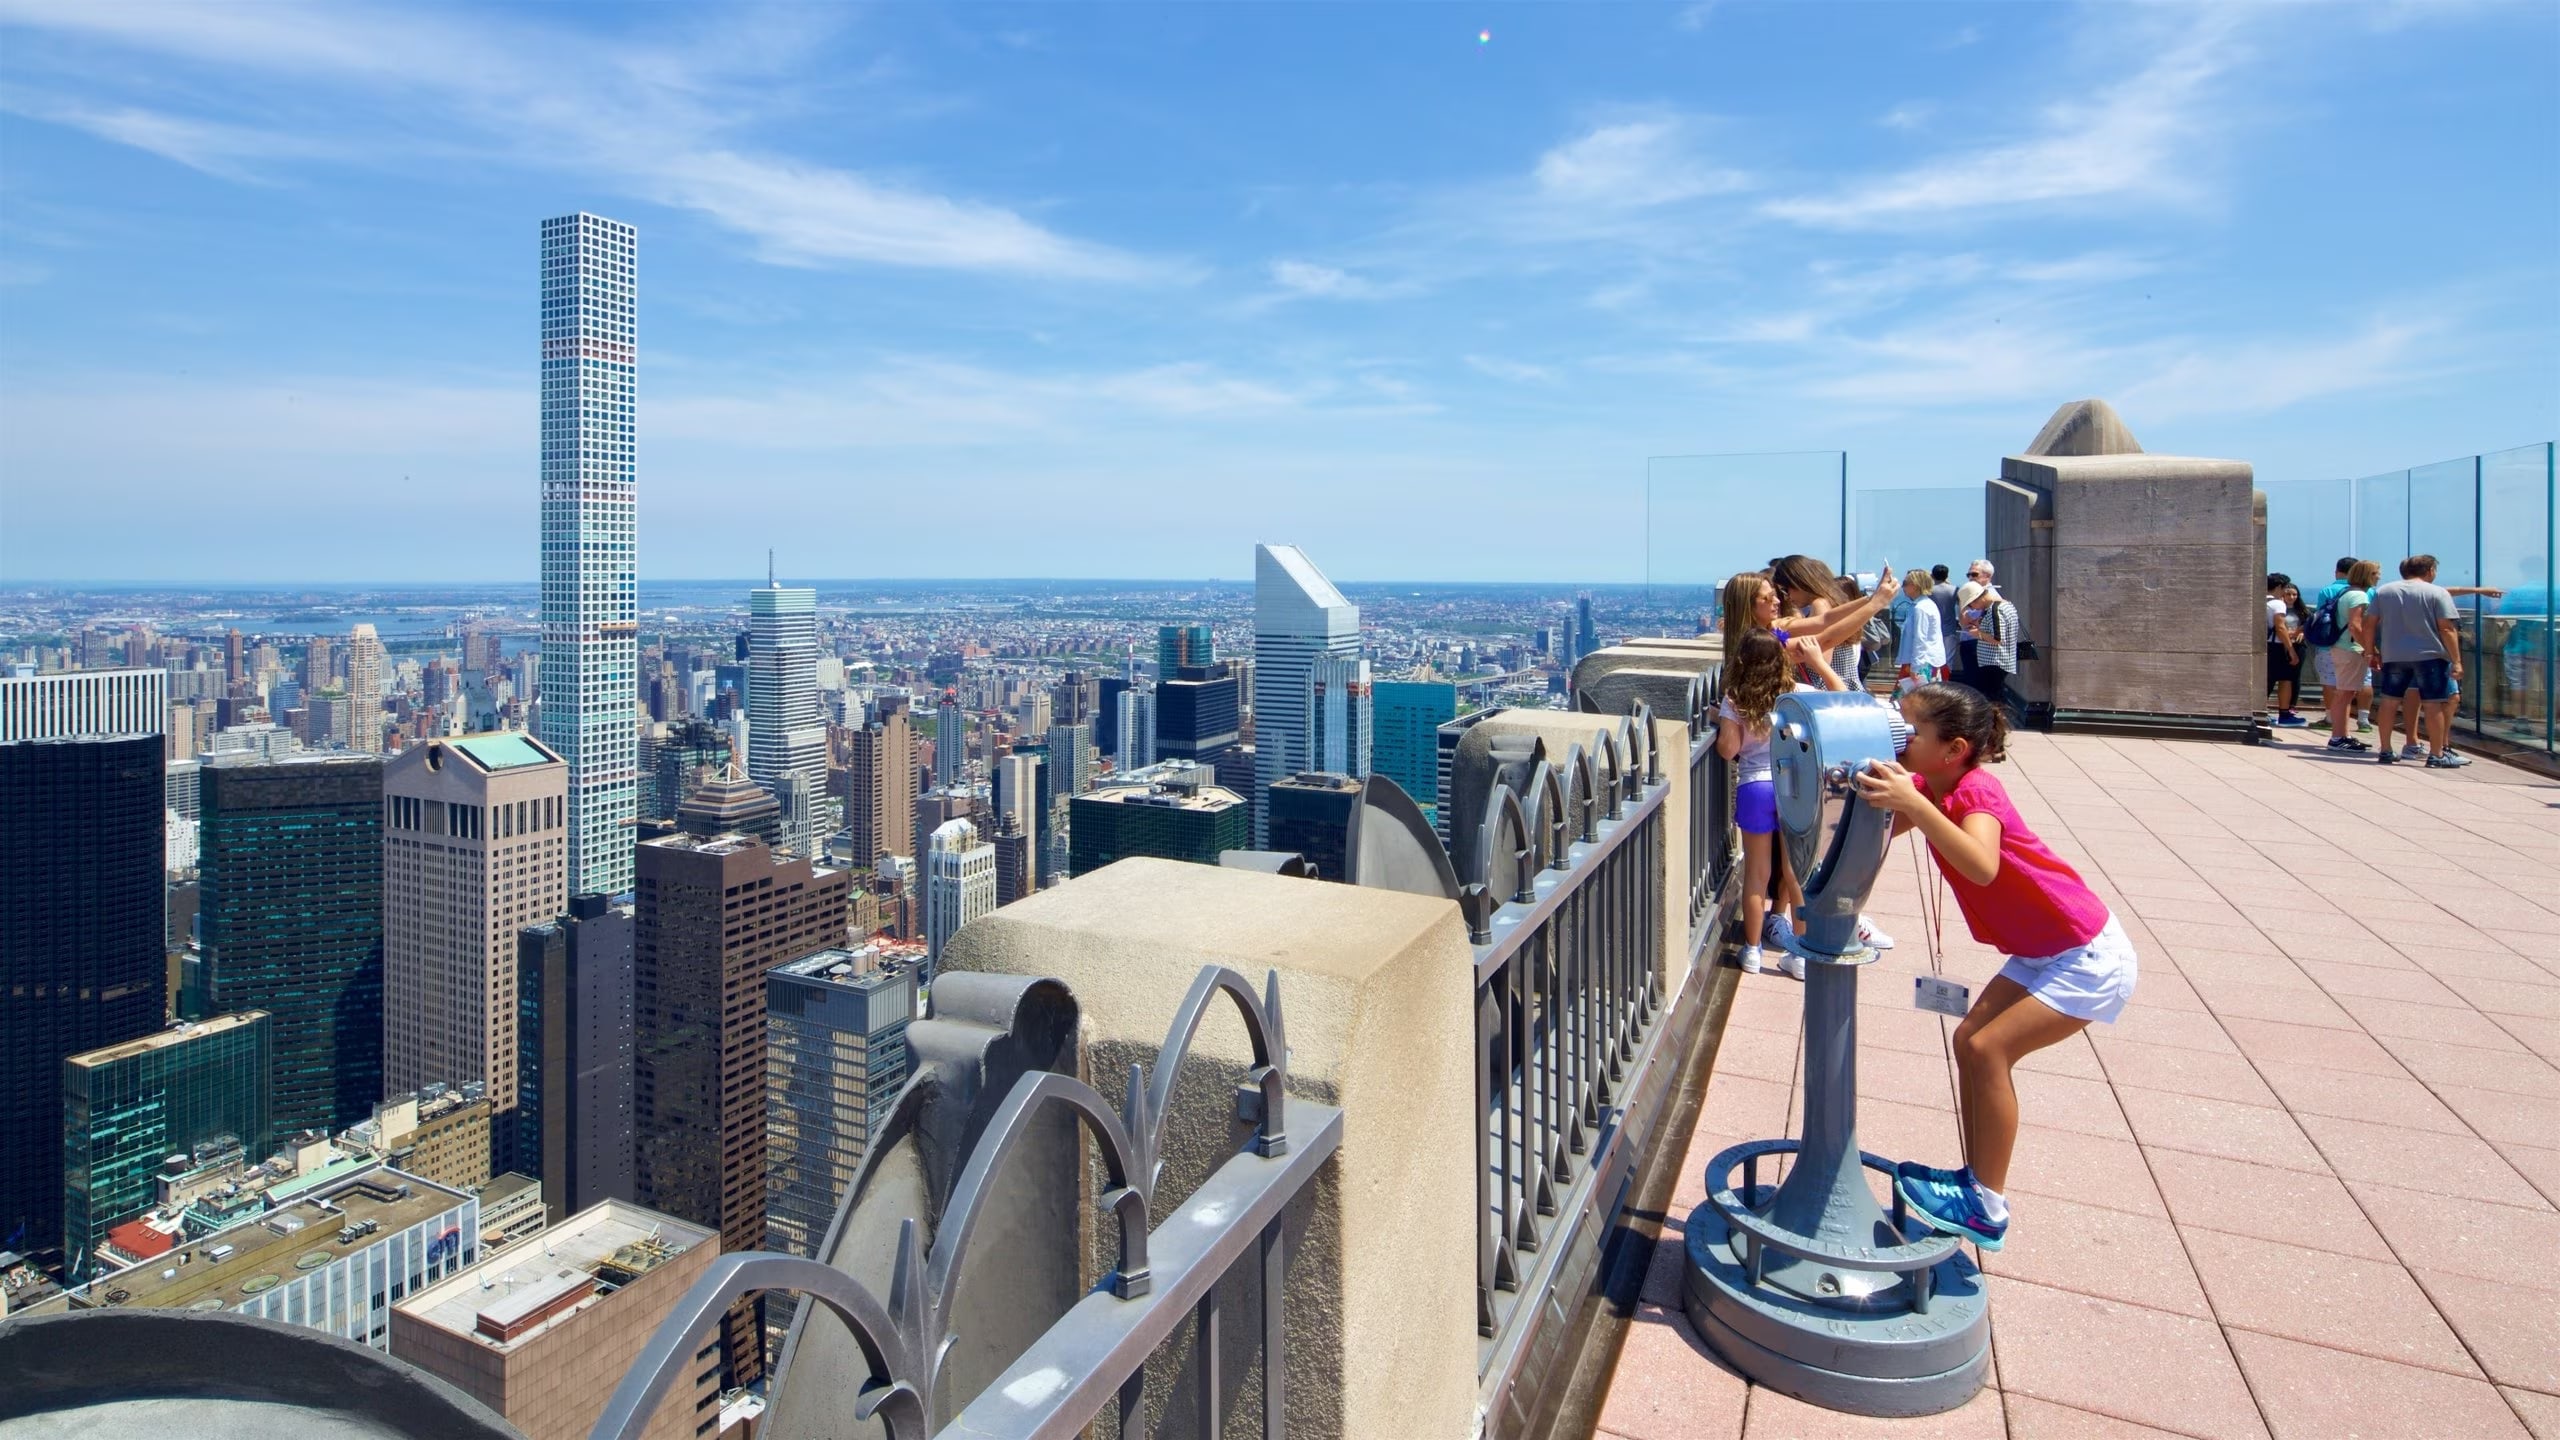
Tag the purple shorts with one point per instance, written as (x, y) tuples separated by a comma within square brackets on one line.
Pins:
[(1755, 807)]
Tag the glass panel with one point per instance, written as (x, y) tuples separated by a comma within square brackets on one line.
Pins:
[(2382, 521), (2444, 521), (2310, 523), (1917, 527), (2514, 672), (1710, 516)]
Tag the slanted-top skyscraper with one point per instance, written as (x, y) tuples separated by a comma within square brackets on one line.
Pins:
[(785, 734), (590, 493), (1297, 617)]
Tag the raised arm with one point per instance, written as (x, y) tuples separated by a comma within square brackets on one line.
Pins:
[(1843, 622)]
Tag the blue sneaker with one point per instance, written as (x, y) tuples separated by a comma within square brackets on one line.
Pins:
[(1949, 1205), (1919, 1174)]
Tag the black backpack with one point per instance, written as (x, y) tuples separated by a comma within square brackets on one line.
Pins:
[(2324, 629)]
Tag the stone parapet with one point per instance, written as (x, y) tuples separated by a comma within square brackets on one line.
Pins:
[(1379, 992)]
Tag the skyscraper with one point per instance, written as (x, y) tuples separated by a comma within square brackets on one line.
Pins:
[(712, 915), (785, 734), (835, 1054), (1586, 635), (880, 790), (364, 690), (1406, 748), (1068, 767), (1136, 721), (1016, 797), (589, 688), (959, 885), (573, 1055), (1197, 719), (1298, 616), (950, 745), (1180, 647), (129, 1107), (291, 921), (82, 840), (1340, 707), (475, 848)]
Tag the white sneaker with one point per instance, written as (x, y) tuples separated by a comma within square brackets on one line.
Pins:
[(1872, 935), (2413, 752), (1791, 965), (1751, 960)]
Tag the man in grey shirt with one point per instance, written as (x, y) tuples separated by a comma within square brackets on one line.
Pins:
[(1943, 595), (2417, 637)]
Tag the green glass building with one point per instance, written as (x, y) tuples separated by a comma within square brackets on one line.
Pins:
[(126, 1109), (1405, 743), (291, 923), (1175, 819)]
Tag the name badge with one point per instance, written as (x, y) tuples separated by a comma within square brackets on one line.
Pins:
[(1947, 997)]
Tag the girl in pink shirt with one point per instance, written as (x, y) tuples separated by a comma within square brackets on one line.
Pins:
[(2070, 963)]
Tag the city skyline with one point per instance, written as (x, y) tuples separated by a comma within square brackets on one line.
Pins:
[(1530, 262)]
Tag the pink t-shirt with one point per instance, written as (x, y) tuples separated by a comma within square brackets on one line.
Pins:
[(2037, 906)]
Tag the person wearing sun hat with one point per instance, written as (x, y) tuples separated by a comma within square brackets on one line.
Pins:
[(1968, 663)]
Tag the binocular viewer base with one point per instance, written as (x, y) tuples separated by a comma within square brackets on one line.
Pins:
[(1866, 1353)]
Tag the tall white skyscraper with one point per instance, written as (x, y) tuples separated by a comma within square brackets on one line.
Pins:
[(590, 678), (786, 736), (1297, 617), (959, 885)]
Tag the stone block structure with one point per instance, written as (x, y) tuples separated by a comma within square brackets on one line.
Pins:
[(2139, 579)]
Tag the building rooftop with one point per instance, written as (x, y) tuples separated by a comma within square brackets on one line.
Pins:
[(503, 750), (580, 1261), (868, 967), (1208, 799), (264, 1252), (2298, 1188), (176, 1034)]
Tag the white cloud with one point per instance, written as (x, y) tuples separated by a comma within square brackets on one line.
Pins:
[(657, 121), (2254, 377), (227, 151), (1633, 164), (1693, 16), (1909, 115), (1518, 372), (1300, 277), (2140, 138)]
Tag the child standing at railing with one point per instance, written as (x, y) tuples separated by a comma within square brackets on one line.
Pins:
[(1755, 675), (2070, 963)]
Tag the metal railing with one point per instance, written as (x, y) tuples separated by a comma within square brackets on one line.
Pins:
[(1166, 1276)]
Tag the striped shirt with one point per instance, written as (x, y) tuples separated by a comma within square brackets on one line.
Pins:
[(1997, 646)]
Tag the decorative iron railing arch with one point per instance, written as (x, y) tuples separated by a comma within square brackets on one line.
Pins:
[(906, 1342)]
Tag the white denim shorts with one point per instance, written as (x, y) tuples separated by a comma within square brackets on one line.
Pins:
[(2091, 983)]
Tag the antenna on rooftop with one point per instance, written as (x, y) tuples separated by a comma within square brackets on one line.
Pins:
[(769, 582)]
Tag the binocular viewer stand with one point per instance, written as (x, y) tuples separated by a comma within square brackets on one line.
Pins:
[(1812, 1287)]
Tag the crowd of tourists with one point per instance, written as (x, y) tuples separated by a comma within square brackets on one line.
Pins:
[(2386, 655), (1797, 625)]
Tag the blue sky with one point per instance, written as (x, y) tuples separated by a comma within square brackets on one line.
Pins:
[(1119, 290)]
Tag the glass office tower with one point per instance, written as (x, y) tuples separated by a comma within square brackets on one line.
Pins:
[(291, 923), (82, 962), (127, 1108)]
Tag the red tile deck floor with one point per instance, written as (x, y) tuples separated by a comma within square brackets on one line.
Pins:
[(2308, 1186)]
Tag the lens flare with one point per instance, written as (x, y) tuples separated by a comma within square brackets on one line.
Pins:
[(1484, 37)]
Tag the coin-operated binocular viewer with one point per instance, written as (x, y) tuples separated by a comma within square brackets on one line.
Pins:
[(1811, 1287)]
